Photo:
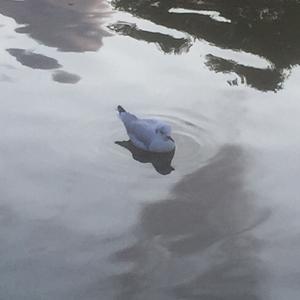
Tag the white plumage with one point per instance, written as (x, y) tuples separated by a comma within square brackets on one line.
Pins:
[(147, 134)]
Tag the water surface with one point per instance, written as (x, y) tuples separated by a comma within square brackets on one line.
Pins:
[(85, 216)]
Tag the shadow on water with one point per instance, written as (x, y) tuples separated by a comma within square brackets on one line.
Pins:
[(268, 29), (72, 25), (161, 162), (198, 243)]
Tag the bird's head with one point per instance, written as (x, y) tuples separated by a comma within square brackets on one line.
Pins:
[(164, 131)]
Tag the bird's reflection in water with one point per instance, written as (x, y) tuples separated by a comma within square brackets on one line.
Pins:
[(160, 161)]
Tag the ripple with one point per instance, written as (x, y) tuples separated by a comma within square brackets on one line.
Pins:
[(196, 144)]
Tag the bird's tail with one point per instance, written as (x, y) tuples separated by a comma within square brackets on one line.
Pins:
[(120, 109)]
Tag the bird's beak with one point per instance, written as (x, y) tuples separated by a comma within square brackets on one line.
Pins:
[(171, 139)]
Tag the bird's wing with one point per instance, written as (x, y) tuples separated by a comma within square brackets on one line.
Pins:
[(150, 122), (142, 131)]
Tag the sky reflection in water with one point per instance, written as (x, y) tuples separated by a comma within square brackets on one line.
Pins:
[(83, 217)]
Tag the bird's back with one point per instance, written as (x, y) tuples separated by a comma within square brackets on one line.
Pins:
[(140, 131), (143, 132)]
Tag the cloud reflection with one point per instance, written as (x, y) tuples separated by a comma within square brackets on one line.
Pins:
[(5, 78), (66, 25)]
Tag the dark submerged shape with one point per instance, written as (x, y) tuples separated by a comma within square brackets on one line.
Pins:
[(65, 77), (198, 243), (33, 60)]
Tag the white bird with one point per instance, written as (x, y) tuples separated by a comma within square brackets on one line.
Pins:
[(147, 134)]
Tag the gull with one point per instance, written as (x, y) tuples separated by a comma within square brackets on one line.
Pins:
[(147, 134)]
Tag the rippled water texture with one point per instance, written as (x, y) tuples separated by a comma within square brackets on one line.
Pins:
[(84, 215)]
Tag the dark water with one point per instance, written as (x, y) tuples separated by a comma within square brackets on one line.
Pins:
[(83, 215)]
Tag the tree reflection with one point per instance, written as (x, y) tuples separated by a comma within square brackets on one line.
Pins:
[(264, 28), (166, 43), (262, 79)]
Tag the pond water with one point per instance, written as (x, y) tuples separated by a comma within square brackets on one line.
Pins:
[(83, 216)]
